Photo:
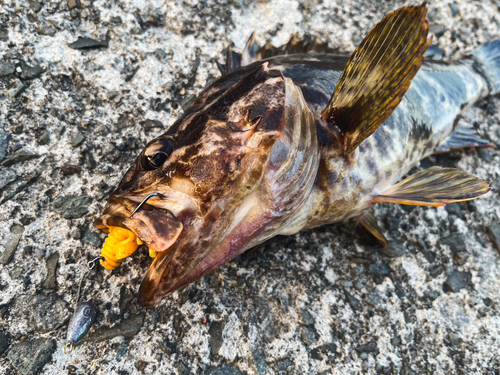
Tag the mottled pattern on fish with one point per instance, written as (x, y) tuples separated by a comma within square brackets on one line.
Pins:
[(429, 112), (267, 149)]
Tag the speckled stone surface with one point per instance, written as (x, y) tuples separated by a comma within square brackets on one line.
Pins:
[(72, 121)]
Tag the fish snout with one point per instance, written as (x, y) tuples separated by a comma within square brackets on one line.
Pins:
[(157, 227)]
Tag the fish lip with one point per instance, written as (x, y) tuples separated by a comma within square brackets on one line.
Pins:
[(157, 227)]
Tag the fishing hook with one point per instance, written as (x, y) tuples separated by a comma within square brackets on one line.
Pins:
[(144, 201), (93, 262)]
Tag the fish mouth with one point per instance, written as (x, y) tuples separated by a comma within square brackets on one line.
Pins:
[(157, 227)]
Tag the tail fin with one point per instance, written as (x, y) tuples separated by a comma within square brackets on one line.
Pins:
[(488, 57)]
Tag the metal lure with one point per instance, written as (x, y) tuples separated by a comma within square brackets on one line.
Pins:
[(80, 323)]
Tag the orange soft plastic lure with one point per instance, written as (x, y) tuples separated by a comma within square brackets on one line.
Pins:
[(120, 244)]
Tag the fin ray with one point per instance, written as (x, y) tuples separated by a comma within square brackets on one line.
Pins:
[(435, 187), (378, 75), (369, 221), (464, 136)]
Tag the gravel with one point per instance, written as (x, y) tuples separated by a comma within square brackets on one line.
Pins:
[(10, 246), (29, 357), (84, 85), (457, 281), (4, 143)]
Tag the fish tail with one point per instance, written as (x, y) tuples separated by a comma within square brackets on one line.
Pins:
[(488, 58)]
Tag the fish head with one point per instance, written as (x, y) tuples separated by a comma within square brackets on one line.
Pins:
[(205, 168)]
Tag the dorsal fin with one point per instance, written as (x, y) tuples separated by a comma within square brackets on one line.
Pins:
[(250, 52), (378, 74), (233, 62)]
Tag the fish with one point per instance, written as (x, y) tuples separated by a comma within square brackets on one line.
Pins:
[(299, 136)]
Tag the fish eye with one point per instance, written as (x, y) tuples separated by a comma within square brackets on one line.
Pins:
[(157, 160), (157, 153)]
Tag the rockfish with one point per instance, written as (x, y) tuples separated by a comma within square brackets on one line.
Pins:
[(296, 137)]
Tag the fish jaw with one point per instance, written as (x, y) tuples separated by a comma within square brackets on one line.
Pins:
[(247, 230), (159, 228), (207, 231), (273, 207)]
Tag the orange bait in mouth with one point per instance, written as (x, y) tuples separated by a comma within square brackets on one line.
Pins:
[(120, 244)]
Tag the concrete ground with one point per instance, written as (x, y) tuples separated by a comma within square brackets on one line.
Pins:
[(71, 122)]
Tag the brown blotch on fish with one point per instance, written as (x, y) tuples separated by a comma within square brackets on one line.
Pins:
[(296, 137)]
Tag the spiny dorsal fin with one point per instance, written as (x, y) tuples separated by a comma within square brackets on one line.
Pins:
[(233, 62), (435, 187), (250, 52), (378, 74), (464, 136)]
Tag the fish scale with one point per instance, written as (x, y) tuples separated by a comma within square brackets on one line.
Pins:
[(288, 139)]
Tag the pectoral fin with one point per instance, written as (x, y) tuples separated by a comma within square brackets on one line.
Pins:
[(370, 223), (378, 74), (435, 187)]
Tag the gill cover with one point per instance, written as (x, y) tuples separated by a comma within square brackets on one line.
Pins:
[(274, 183)]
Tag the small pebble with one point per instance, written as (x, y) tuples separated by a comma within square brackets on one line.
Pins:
[(35, 5), (371, 347), (494, 234), (10, 246), (72, 4), (394, 250), (27, 281), (44, 138), (378, 269), (30, 356), (437, 30), (457, 281), (436, 271), (4, 144), (4, 342), (15, 88), (456, 242), (454, 209), (7, 176), (68, 169), (454, 9), (6, 68), (353, 301), (72, 207), (30, 71), (77, 139), (89, 43)]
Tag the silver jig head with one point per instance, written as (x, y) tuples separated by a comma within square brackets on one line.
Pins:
[(80, 323)]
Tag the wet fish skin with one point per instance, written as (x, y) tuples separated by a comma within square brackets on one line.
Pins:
[(254, 158)]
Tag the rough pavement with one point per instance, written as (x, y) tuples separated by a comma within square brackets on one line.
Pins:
[(85, 84)]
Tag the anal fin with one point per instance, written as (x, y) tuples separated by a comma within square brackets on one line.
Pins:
[(464, 136), (368, 221), (435, 187)]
